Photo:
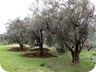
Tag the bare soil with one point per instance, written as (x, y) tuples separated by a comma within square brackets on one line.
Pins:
[(37, 49), (18, 49), (37, 54)]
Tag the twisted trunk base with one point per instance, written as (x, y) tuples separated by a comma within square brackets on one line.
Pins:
[(41, 49), (21, 46), (75, 58)]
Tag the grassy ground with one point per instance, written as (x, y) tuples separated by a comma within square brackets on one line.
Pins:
[(63, 63), (13, 62)]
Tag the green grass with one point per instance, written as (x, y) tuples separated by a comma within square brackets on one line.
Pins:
[(63, 64), (13, 62)]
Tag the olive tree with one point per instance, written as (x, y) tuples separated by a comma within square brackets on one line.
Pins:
[(36, 31), (74, 22), (3, 39), (37, 28), (16, 32)]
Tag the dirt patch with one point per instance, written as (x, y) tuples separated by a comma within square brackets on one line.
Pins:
[(37, 55), (18, 49), (38, 49)]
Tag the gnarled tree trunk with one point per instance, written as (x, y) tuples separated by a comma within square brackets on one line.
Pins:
[(41, 43), (75, 57), (75, 51), (21, 46), (41, 49)]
